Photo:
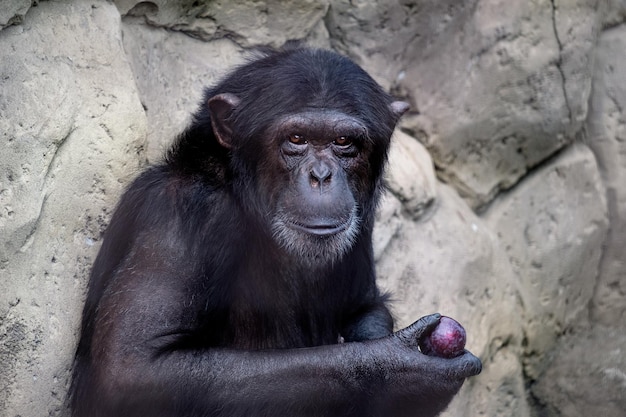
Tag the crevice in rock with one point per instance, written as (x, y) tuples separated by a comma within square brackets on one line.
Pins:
[(531, 170), (601, 269), (593, 132), (559, 63), (59, 145), (34, 226)]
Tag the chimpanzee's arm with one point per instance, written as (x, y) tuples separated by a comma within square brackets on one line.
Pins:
[(353, 379), (384, 377), (142, 363)]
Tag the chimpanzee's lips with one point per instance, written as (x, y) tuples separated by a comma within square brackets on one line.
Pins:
[(321, 229)]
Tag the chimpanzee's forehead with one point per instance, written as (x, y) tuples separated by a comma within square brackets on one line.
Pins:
[(321, 120)]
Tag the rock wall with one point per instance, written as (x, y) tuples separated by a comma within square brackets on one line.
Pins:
[(506, 205)]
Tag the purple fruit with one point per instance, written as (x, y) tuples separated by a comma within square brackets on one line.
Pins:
[(447, 340)]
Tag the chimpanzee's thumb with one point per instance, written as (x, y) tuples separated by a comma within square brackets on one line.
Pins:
[(411, 335)]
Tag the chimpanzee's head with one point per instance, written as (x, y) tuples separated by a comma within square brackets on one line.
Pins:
[(307, 133)]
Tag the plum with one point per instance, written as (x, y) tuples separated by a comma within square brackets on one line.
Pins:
[(447, 340)]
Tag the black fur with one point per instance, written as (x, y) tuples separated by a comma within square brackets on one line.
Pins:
[(194, 309)]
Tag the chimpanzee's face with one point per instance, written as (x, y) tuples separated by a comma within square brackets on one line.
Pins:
[(321, 165)]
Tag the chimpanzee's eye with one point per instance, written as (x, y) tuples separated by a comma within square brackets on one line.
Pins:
[(297, 139), (343, 141)]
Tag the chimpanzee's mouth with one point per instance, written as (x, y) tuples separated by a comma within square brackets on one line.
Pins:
[(316, 239), (321, 229)]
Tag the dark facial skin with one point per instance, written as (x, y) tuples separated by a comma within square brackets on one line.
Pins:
[(323, 154), (237, 277)]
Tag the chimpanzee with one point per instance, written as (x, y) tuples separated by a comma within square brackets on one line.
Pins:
[(236, 278)]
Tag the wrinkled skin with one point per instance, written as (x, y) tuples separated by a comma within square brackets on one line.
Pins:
[(237, 277)]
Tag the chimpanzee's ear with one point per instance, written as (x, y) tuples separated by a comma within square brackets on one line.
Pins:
[(221, 108), (399, 108)]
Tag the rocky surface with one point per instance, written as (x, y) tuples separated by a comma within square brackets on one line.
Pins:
[(13, 11), (496, 87), (607, 133), (599, 356), (72, 131), (171, 71), (506, 208), (539, 227), (450, 262)]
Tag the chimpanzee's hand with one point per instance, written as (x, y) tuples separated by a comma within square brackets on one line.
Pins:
[(417, 384)]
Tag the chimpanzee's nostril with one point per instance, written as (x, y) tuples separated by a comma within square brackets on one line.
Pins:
[(320, 174)]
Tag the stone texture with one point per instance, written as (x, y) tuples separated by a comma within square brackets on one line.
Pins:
[(12, 12), (248, 23), (449, 262), (500, 98), (72, 131), (389, 220), (552, 229), (607, 132), (410, 175), (497, 87), (587, 375), (412, 189), (171, 71), (613, 12), (476, 282)]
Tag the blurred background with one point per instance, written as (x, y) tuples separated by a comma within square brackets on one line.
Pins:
[(506, 206)]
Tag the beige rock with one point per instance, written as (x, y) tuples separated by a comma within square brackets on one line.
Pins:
[(172, 70), (248, 23), (498, 92), (552, 229), (607, 132), (497, 87), (389, 220), (72, 131), (451, 263), (412, 189), (613, 12), (587, 375), (411, 175), (12, 12), (499, 391)]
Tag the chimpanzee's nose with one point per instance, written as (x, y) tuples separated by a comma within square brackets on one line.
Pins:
[(320, 174)]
